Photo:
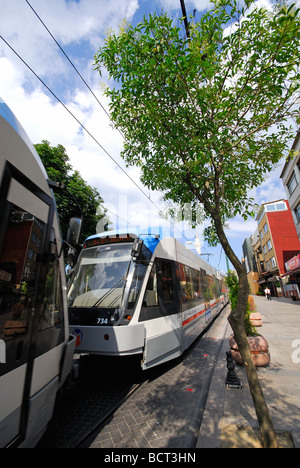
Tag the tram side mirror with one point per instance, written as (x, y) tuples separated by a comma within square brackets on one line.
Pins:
[(74, 231), (136, 248)]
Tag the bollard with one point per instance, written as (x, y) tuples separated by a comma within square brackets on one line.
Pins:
[(232, 379)]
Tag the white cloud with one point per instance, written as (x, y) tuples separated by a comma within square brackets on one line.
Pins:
[(238, 227), (80, 26), (272, 188)]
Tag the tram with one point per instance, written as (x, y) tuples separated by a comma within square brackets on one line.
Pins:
[(135, 293), (36, 349)]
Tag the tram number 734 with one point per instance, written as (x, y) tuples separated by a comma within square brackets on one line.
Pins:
[(102, 321)]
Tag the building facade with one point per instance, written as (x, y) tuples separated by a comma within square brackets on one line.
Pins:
[(290, 177), (275, 243)]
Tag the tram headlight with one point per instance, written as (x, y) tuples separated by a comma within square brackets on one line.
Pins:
[(114, 317)]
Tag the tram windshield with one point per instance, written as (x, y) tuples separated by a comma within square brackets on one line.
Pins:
[(99, 280), (106, 277)]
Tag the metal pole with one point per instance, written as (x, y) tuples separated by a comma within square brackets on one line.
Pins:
[(185, 18)]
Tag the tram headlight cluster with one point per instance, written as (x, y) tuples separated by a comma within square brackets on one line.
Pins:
[(114, 317)]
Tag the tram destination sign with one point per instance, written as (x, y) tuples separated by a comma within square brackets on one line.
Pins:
[(113, 239)]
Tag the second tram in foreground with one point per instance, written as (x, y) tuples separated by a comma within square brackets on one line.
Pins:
[(141, 294), (36, 351)]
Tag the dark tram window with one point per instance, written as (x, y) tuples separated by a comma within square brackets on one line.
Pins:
[(160, 297), (18, 271), (167, 290), (190, 287), (27, 286)]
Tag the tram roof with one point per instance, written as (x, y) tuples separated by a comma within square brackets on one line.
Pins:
[(10, 117), (7, 114), (150, 236)]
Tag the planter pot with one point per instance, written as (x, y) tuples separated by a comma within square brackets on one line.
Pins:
[(259, 349), (256, 319), (15, 327)]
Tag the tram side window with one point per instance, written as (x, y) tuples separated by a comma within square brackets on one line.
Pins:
[(51, 312), (160, 298), (186, 287), (210, 292), (18, 270), (205, 287), (218, 287), (190, 287), (150, 309), (160, 284), (197, 284), (151, 294), (167, 291)]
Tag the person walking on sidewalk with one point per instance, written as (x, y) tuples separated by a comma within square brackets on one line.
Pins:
[(267, 293)]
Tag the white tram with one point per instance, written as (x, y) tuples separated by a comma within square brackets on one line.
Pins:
[(141, 294), (36, 350)]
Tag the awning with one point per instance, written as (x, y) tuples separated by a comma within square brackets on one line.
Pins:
[(292, 272), (274, 279), (261, 281), (271, 279)]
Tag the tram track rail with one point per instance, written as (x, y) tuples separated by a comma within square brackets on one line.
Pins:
[(104, 386), (84, 406), (85, 441)]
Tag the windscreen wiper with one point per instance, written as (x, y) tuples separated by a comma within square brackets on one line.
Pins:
[(98, 302)]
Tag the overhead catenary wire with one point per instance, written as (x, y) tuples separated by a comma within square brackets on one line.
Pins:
[(75, 68), (74, 117), (83, 127), (70, 112), (67, 57)]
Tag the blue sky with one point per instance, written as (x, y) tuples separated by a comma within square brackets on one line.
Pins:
[(80, 26)]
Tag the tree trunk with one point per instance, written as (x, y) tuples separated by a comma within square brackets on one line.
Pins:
[(237, 320)]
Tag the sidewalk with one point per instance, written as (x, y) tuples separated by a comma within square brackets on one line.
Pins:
[(229, 418), (166, 412)]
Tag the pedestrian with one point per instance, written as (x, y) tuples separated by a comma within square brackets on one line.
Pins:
[(267, 293)]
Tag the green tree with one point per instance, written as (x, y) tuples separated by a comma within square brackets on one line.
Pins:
[(205, 117), (59, 169)]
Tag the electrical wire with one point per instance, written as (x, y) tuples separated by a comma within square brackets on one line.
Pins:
[(84, 128), (68, 110), (72, 64), (74, 117), (69, 60), (74, 67)]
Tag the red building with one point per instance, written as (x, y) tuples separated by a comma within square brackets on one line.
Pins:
[(279, 243)]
